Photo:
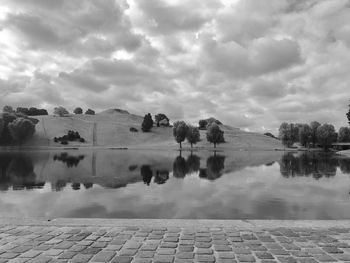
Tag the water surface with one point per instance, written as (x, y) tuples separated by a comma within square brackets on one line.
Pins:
[(167, 184)]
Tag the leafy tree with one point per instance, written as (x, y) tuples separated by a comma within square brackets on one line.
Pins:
[(326, 135), (180, 131), (159, 117), (192, 135), (21, 129), (22, 110), (344, 134), (8, 109), (304, 134), (147, 123), (313, 126), (203, 124), (60, 111), (78, 110), (214, 134), (90, 112)]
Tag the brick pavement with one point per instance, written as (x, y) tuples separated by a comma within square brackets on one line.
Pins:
[(146, 244)]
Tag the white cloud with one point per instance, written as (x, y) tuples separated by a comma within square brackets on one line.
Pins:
[(245, 62)]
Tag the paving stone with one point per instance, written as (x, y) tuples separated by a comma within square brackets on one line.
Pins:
[(245, 258), (202, 245), (163, 259), (67, 255), (287, 259), (166, 251), (8, 255), (122, 259), (204, 251), (142, 260), (264, 255), (30, 254), (332, 250), (104, 256), (127, 252), (183, 248), (205, 258), (242, 251), (324, 258), (226, 255), (145, 254)]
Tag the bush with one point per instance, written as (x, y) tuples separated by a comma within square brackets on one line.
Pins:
[(147, 123), (161, 117), (132, 129), (21, 129), (69, 137), (90, 112)]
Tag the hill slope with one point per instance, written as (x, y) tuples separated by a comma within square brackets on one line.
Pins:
[(111, 129)]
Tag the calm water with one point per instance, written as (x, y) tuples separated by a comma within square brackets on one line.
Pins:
[(165, 184)]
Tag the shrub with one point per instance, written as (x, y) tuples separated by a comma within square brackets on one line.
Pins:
[(160, 117), (132, 129), (21, 129), (90, 112)]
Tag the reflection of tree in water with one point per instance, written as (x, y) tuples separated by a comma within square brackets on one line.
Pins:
[(17, 170), (76, 186), (69, 160), (88, 185), (193, 163), (344, 165), (146, 173), (215, 167), (161, 176), (308, 164), (59, 185), (180, 167)]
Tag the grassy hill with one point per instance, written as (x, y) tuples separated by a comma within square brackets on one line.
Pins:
[(111, 129)]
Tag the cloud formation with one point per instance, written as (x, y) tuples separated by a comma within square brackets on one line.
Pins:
[(250, 64)]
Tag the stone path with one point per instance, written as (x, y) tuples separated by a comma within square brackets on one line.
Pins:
[(146, 244)]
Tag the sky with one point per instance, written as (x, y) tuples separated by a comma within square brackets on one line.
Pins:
[(251, 64)]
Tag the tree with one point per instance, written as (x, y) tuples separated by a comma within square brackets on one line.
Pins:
[(304, 134), (180, 131), (60, 111), (348, 115), (8, 109), (313, 126), (215, 134), (326, 135), (192, 135), (21, 129), (203, 124), (90, 112), (147, 123), (78, 110), (2, 125), (159, 117), (344, 134)]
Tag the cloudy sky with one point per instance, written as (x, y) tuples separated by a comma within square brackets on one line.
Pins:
[(252, 64)]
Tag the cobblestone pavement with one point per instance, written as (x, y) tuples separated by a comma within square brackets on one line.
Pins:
[(42, 244)]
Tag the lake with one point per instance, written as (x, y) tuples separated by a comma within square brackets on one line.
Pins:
[(170, 184)]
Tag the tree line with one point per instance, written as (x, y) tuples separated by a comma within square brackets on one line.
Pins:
[(313, 134)]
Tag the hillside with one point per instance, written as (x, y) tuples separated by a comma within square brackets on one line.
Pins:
[(111, 129)]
